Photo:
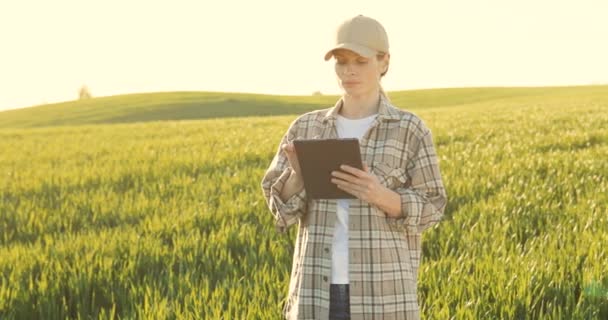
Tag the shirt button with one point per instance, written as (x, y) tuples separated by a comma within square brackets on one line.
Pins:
[(326, 249), (325, 278)]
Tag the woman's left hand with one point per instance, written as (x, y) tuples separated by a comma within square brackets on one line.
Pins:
[(360, 183)]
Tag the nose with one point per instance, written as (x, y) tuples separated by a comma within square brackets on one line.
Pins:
[(348, 69)]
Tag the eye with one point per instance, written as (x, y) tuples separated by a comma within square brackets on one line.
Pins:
[(362, 61)]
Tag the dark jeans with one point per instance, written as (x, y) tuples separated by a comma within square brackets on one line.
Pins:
[(339, 302)]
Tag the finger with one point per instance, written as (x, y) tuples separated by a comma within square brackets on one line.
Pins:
[(353, 170), (366, 168), (346, 176), (339, 181), (288, 148), (354, 191), (348, 185), (345, 187), (342, 183)]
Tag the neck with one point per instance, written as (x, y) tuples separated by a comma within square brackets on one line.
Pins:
[(361, 106)]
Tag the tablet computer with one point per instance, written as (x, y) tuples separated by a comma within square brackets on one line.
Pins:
[(319, 157)]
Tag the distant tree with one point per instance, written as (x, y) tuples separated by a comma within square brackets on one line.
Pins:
[(84, 93), (317, 93)]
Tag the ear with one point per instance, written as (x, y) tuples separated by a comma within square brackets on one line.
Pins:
[(386, 61)]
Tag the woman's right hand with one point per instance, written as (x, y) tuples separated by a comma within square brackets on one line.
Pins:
[(290, 150)]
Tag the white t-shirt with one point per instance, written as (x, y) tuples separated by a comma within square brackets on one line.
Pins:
[(346, 128)]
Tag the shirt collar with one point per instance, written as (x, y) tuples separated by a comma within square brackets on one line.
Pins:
[(386, 111)]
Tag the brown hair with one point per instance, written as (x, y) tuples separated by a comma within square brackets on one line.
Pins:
[(380, 56)]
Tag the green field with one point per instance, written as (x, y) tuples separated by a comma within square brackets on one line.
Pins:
[(150, 205)]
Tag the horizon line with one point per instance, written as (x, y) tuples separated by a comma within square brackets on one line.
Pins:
[(599, 84)]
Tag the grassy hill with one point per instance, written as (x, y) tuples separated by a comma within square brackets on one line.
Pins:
[(203, 105)]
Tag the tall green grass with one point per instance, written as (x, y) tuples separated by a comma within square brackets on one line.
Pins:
[(166, 219)]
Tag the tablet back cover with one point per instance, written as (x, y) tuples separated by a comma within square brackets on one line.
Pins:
[(319, 157)]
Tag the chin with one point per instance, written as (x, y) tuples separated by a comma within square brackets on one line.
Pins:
[(354, 92)]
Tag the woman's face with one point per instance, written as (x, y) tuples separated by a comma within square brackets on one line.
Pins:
[(358, 75)]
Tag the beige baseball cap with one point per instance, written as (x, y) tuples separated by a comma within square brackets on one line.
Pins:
[(362, 35)]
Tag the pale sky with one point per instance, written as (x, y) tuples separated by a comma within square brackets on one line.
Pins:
[(48, 49)]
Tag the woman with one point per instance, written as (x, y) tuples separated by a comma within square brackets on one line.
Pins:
[(358, 258)]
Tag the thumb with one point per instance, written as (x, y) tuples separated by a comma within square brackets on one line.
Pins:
[(365, 167)]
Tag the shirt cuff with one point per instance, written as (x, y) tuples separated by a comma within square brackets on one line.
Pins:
[(411, 208), (286, 211)]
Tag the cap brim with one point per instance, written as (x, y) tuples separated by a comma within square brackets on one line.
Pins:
[(358, 49)]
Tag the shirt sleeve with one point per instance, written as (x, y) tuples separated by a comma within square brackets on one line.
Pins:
[(290, 211), (423, 198)]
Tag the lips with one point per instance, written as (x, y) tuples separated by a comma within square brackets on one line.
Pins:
[(350, 82)]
